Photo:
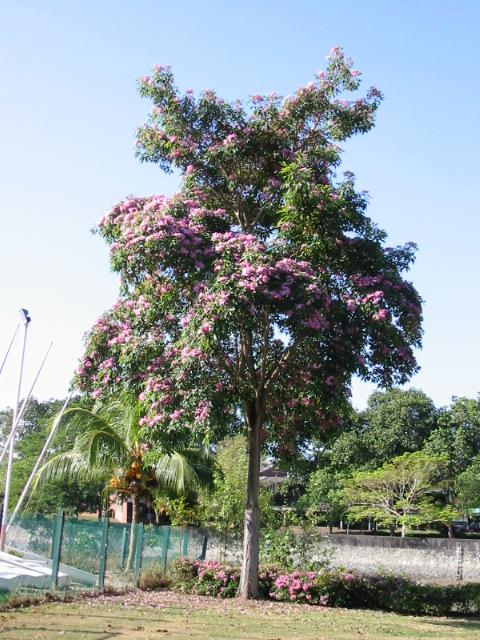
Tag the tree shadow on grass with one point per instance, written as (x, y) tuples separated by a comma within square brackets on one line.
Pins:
[(98, 635), (466, 624)]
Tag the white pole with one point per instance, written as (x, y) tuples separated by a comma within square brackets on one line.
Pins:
[(13, 430), (8, 478), (40, 458), (9, 347)]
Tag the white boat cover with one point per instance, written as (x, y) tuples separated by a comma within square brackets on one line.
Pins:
[(23, 572)]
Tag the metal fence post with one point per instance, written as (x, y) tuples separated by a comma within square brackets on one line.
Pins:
[(185, 542), (123, 548), (165, 549), (203, 553), (138, 552), (57, 536), (103, 555)]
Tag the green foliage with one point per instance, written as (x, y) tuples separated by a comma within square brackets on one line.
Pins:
[(400, 493), (181, 513), (395, 422), (467, 487), (277, 547), (457, 438), (323, 501), (223, 507), (294, 548), (108, 450), (458, 434), (68, 495)]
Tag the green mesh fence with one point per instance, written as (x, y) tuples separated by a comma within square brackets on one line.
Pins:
[(81, 544), (95, 552), (32, 534)]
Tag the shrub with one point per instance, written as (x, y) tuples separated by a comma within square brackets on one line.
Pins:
[(278, 548), (207, 578), (153, 578), (333, 588), (183, 574), (295, 550)]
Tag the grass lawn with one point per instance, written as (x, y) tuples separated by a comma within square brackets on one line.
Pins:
[(145, 616)]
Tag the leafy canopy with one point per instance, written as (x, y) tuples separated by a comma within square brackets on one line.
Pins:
[(262, 286), (400, 493), (395, 422)]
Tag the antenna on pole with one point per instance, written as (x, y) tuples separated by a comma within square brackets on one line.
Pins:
[(8, 479)]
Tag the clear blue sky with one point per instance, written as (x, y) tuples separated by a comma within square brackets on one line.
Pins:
[(69, 108)]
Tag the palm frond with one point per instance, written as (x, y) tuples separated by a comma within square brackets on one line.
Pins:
[(182, 471), (71, 465), (101, 445)]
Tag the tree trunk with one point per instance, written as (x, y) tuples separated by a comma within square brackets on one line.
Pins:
[(133, 531), (251, 534), (330, 527), (451, 532), (404, 530)]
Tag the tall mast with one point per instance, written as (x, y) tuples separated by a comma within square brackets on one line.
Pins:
[(8, 479)]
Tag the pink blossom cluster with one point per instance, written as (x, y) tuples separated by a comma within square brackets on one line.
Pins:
[(299, 586)]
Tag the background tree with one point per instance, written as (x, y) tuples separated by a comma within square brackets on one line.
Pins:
[(69, 496), (396, 421), (251, 297), (399, 494), (457, 438), (223, 507), (467, 488), (323, 500), (458, 433)]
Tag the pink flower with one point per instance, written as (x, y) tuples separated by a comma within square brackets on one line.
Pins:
[(316, 321), (351, 305), (190, 169), (330, 381), (381, 315)]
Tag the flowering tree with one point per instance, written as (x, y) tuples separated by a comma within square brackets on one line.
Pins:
[(251, 297)]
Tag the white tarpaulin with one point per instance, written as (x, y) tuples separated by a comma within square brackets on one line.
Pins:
[(22, 572)]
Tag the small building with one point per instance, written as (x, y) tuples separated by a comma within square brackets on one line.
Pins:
[(271, 478)]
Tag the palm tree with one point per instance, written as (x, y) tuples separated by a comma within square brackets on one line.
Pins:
[(109, 449)]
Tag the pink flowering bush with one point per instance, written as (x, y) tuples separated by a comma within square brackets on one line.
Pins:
[(207, 578), (251, 297), (332, 588), (215, 579)]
